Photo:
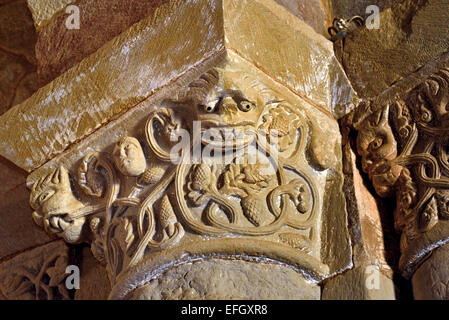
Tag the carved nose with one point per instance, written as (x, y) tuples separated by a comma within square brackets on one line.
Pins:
[(228, 105)]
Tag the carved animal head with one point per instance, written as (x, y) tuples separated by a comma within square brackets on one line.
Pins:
[(56, 207), (227, 98), (129, 157), (228, 102), (377, 146), (376, 142)]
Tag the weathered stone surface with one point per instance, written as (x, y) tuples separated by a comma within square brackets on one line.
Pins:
[(112, 81), (17, 229), (44, 10), (431, 280), (290, 51), (361, 283), (349, 8), (14, 69), (17, 58), (37, 274), (316, 13), (26, 87), (94, 284), (11, 176), (58, 49), (410, 35), (17, 33), (368, 229), (226, 279)]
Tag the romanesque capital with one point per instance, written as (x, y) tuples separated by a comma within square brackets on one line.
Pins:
[(198, 142), (403, 148)]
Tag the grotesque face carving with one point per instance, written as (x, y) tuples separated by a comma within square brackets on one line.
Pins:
[(55, 206), (376, 142), (129, 157), (228, 98), (228, 102), (377, 146)]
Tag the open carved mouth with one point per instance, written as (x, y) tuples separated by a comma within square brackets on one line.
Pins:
[(58, 223), (224, 136)]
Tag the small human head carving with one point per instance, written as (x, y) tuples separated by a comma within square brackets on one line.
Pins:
[(56, 207), (129, 157)]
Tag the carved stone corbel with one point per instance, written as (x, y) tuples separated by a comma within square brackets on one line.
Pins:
[(222, 171), (403, 148)]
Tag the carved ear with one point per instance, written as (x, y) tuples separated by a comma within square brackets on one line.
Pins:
[(384, 118), (380, 117), (361, 113), (432, 88), (56, 176), (63, 176)]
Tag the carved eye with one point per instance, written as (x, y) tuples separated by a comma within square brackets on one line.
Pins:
[(208, 108), (127, 149), (45, 196), (246, 106), (376, 144)]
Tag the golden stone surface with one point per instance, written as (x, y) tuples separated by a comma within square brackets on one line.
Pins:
[(138, 64), (44, 10), (239, 95), (374, 59)]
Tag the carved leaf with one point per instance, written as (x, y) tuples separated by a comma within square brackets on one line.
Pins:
[(124, 234), (197, 198), (98, 251), (57, 272), (429, 216), (15, 285), (89, 179), (36, 274)]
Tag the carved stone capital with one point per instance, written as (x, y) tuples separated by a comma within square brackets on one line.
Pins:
[(228, 170), (403, 147), (219, 144)]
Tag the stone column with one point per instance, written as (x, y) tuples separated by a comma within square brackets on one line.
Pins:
[(119, 154)]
